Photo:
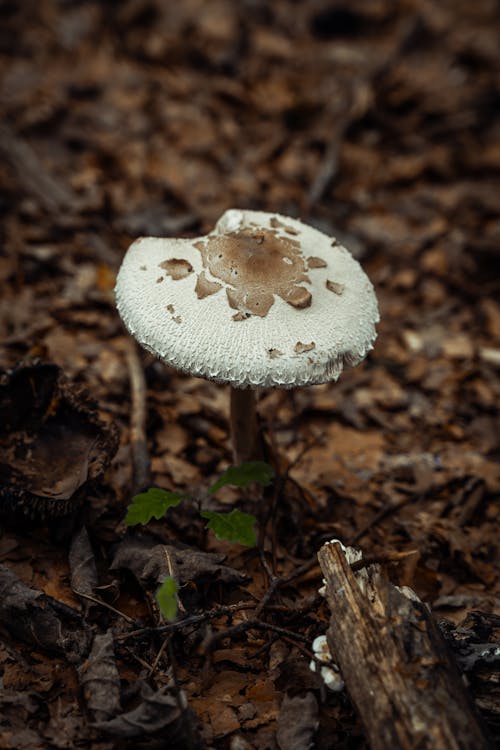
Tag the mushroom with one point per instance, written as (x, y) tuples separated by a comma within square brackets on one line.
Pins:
[(323, 663), (261, 301)]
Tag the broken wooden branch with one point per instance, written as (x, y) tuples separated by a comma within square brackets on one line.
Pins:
[(395, 663)]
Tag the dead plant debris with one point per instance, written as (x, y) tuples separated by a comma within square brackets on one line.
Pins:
[(374, 121)]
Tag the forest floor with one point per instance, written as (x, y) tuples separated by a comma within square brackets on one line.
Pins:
[(373, 121)]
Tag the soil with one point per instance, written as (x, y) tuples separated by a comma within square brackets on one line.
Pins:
[(374, 121)]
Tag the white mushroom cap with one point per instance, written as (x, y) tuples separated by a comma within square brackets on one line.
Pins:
[(330, 672), (263, 300)]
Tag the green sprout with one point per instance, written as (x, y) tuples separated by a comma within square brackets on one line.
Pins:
[(234, 526)]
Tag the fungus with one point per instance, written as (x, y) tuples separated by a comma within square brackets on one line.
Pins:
[(254, 308), (323, 663)]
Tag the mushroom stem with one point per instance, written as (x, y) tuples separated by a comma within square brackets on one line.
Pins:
[(244, 426)]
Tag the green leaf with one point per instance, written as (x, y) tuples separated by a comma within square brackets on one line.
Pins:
[(235, 526), (245, 474), (166, 596), (151, 504)]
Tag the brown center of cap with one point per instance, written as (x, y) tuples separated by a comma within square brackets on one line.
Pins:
[(255, 265)]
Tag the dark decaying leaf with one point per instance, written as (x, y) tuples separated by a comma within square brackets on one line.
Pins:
[(24, 739), (297, 722), (65, 729), (52, 443), (151, 562), (100, 679), (82, 564), (158, 713), (476, 646), (31, 616), (295, 676), (16, 708)]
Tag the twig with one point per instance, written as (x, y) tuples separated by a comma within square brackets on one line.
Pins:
[(212, 614), (95, 600), (140, 660), (138, 440), (159, 655), (349, 108), (273, 585), (253, 624), (378, 518), (278, 487), (64, 609), (470, 497), (381, 559), (188, 726), (265, 565), (52, 194), (309, 444), (277, 582), (180, 605), (329, 166)]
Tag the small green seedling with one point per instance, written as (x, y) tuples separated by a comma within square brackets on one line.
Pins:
[(151, 504), (245, 474), (234, 526), (166, 596)]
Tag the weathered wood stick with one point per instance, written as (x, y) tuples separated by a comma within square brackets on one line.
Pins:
[(395, 663)]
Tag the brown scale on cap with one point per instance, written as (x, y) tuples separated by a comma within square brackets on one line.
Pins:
[(313, 262), (334, 286), (177, 268), (204, 287), (276, 223), (256, 265), (300, 348), (175, 318)]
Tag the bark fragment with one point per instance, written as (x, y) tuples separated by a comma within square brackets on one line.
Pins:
[(395, 663)]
